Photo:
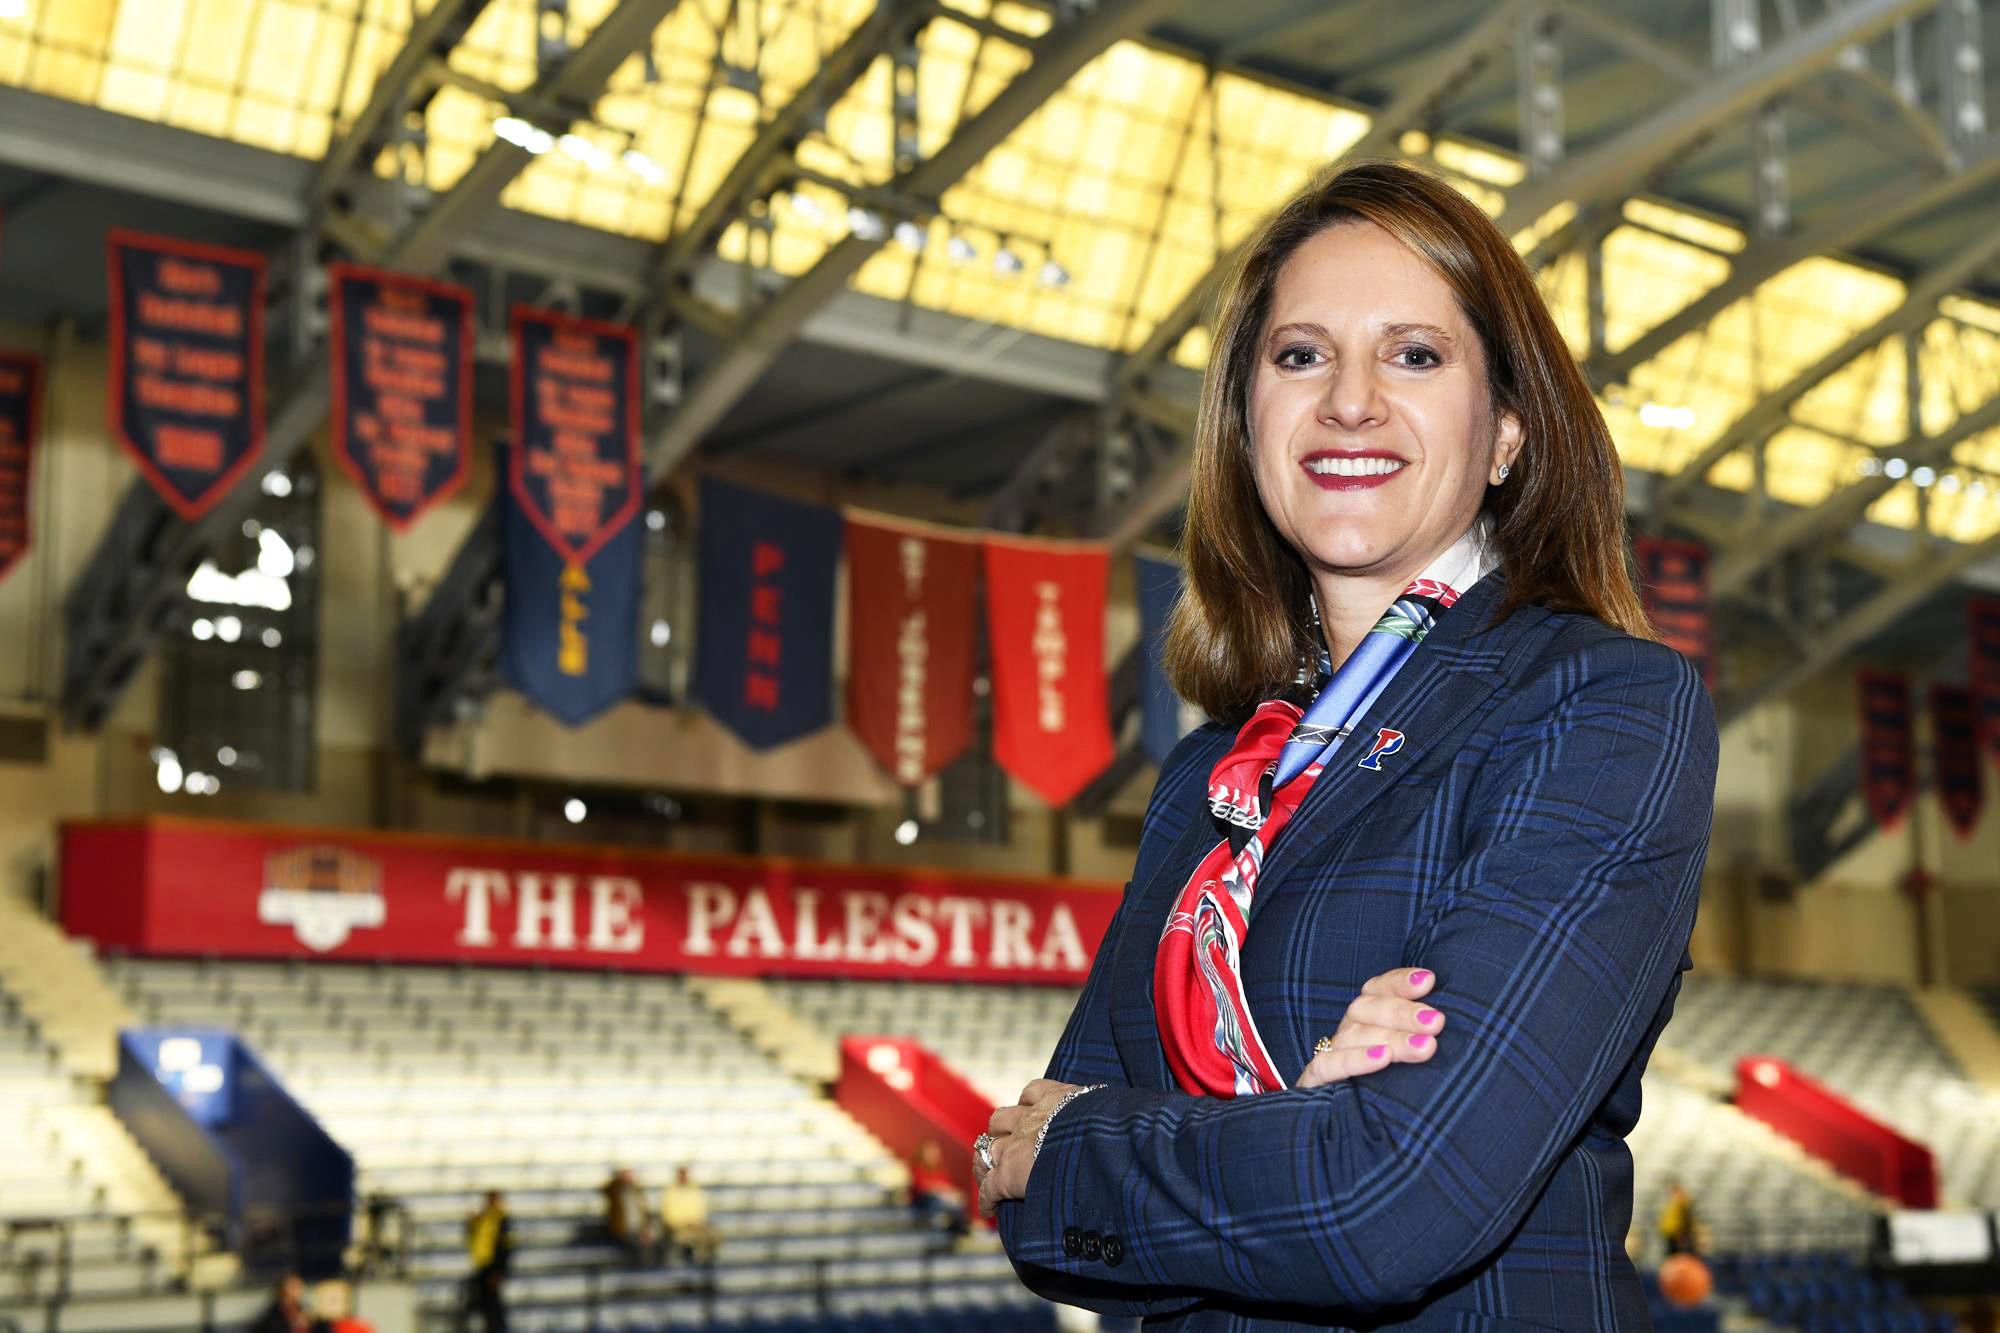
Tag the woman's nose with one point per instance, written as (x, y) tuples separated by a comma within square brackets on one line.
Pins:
[(1353, 397)]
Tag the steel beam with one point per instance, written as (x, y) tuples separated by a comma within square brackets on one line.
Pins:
[(766, 333), (1848, 226), (1624, 161), (1438, 77), (1771, 411), (1900, 596), (1742, 560)]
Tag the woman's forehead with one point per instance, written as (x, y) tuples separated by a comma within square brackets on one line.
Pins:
[(1357, 277)]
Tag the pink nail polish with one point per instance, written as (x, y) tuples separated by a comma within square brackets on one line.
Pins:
[(1420, 1041), (1377, 1052), (1427, 1016), (1419, 978)]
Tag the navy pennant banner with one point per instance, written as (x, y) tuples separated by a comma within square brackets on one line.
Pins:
[(402, 387), (570, 632), (1888, 745), (187, 364), (575, 454), (1163, 718), (764, 655), (20, 425), (1982, 616), (1955, 755), (1673, 583)]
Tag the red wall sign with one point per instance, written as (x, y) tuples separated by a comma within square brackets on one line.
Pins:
[(196, 887)]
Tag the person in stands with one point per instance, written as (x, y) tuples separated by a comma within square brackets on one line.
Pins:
[(287, 1312), (1678, 1222), (935, 1197), (489, 1240), (684, 1215), (627, 1220)]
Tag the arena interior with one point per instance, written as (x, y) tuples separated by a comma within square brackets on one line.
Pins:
[(581, 584)]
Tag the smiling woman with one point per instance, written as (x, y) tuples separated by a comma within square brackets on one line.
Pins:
[(1401, 1100)]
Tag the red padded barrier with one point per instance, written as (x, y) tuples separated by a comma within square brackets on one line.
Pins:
[(902, 1093), (1835, 1130)]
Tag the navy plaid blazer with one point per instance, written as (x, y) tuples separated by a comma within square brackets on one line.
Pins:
[(1538, 842)]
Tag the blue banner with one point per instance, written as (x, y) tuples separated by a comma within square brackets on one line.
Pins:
[(764, 655), (1163, 719), (570, 635)]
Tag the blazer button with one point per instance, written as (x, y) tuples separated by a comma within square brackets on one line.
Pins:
[(1093, 1246), (1114, 1251), (1072, 1242)]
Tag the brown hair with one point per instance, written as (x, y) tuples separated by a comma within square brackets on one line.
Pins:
[(1243, 626)]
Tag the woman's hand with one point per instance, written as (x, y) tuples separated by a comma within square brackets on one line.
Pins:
[(1014, 1129), (1385, 1025)]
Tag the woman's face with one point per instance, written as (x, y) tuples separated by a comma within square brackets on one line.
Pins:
[(1372, 434)]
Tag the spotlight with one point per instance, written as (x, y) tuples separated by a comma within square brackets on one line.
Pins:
[(574, 810), (167, 771), (1870, 467), (271, 638), (226, 756), (660, 633), (1006, 263), (910, 236), (961, 250), (656, 520), (807, 207), (1054, 274), (584, 151), (1923, 476), (246, 679), (274, 557), (1895, 469), (1949, 483), (277, 484), (228, 628), (520, 133), (202, 629), (645, 168), (906, 832), (864, 224)]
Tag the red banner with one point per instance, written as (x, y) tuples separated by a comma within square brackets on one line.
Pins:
[(186, 392), (1955, 754), (199, 887), (1888, 745), (1673, 583), (1045, 630), (20, 425), (574, 465), (1982, 624), (911, 640), (402, 387)]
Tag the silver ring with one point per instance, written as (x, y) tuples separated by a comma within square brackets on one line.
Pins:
[(982, 1151)]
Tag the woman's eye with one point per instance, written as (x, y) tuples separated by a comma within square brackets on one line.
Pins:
[(1297, 358), (1419, 357)]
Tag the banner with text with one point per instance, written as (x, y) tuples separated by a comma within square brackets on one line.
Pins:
[(210, 888), (569, 634), (911, 643), (574, 459), (764, 613), (1673, 583), (1888, 745), (1955, 755), (20, 427), (1045, 630), (402, 387), (1163, 716), (186, 364), (1982, 615)]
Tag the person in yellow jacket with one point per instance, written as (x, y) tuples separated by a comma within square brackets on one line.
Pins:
[(1677, 1221), (488, 1241), (684, 1215)]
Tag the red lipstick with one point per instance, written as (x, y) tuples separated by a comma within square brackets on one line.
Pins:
[(1336, 481)]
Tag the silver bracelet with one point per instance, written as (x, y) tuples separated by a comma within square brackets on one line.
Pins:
[(1056, 1110)]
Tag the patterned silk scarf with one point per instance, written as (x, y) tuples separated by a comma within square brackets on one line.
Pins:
[(1210, 1038)]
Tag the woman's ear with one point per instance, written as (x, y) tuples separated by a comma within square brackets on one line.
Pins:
[(1506, 444)]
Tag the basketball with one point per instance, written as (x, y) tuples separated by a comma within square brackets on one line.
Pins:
[(1685, 1280)]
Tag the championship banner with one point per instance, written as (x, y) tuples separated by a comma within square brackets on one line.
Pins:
[(20, 427), (1163, 718), (569, 635), (574, 460), (1955, 755), (187, 364), (1888, 745), (211, 888), (764, 613), (1673, 584), (911, 643), (1982, 616), (402, 387), (1045, 631)]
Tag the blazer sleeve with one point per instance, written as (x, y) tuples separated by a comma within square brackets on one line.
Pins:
[(1556, 938)]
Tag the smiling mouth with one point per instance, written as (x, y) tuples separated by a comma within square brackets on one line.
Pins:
[(1329, 466)]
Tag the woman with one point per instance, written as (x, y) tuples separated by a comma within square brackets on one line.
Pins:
[(1405, 512)]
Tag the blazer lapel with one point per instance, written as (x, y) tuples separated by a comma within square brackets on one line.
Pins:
[(1438, 693)]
